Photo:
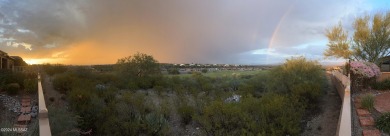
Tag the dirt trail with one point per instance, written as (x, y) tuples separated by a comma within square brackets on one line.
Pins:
[(51, 93), (325, 124)]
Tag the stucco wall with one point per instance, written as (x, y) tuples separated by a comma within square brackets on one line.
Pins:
[(384, 76), (342, 84)]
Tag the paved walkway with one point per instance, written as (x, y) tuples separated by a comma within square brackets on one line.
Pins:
[(382, 102), (25, 117)]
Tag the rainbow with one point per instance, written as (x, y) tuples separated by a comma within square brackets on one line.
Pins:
[(275, 32)]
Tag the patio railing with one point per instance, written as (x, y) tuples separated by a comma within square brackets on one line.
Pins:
[(44, 126)]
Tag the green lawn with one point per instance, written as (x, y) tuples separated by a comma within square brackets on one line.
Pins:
[(225, 73)]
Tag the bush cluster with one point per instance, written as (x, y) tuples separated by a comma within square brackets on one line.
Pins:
[(368, 102), (278, 106), (62, 122), (270, 104), (272, 115), (186, 113), (31, 85), (99, 106), (383, 122), (383, 85), (173, 71), (12, 88), (8, 77), (63, 82), (131, 116), (52, 69), (300, 78), (25, 81)]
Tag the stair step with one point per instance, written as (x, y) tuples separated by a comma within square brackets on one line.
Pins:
[(366, 121), (371, 132), (363, 112)]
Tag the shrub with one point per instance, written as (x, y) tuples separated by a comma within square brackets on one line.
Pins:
[(31, 85), (52, 99), (204, 70), (365, 69), (368, 102), (62, 121), (12, 88), (363, 74), (88, 107), (144, 82), (63, 82), (294, 76), (7, 77), (173, 71), (186, 112), (383, 122), (202, 83), (279, 115), (224, 119), (158, 88), (82, 72), (165, 108), (51, 69), (131, 116), (307, 92), (256, 85), (156, 124), (107, 78), (273, 114), (383, 85)]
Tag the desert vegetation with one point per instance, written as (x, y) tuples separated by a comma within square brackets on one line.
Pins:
[(383, 122), (136, 99), (15, 82)]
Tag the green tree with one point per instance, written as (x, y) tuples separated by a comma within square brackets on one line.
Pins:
[(139, 65), (338, 43), (173, 71), (204, 70), (139, 71), (370, 41)]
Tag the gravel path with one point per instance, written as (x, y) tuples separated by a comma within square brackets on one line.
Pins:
[(51, 93), (326, 122), (356, 129)]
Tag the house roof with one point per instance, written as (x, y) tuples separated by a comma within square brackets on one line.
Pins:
[(19, 61), (2, 53)]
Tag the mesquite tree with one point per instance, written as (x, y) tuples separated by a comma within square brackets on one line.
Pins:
[(370, 41)]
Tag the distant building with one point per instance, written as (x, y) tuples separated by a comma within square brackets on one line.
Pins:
[(6, 61), (14, 63), (385, 66), (19, 63)]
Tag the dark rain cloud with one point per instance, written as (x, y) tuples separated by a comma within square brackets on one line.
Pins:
[(200, 31)]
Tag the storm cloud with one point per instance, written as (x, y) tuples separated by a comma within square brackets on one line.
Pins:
[(176, 31)]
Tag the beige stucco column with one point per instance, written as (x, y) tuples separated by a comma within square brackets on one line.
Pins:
[(6, 63), (12, 65)]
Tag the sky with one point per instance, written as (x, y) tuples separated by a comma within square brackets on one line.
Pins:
[(84, 32)]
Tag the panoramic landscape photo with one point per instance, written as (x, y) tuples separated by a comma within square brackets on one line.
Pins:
[(194, 68)]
